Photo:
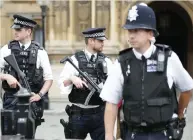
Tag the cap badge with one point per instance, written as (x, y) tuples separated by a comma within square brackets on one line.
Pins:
[(15, 21), (132, 15)]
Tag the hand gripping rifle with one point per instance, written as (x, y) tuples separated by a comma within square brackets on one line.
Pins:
[(93, 87), (19, 121)]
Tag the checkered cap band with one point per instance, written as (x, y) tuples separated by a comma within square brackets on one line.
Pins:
[(16, 21), (99, 34)]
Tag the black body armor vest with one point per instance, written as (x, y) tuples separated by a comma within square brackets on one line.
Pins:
[(26, 60), (146, 93), (94, 72)]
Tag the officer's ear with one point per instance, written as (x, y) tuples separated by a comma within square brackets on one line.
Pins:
[(90, 40), (29, 30), (150, 33), (86, 41)]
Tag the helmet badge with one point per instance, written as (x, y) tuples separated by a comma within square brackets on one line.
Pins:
[(132, 14)]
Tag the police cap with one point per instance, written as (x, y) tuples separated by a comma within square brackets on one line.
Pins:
[(21, 21), (97, 33)]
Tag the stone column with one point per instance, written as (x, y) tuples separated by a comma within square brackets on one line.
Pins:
[(51, 24), (93, 13), (72, 18), (64, 19), (57, 23), (99, 12), (113, 23), (7, 24), (1, 27), (103, 15)]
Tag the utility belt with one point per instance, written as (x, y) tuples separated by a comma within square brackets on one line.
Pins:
[(172, 129), (147, 129), (75, 110)]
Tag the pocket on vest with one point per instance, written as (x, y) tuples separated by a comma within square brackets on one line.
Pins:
[(131, 111), (159, 110)]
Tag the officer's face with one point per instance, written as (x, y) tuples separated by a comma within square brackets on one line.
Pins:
[(139, 38), (98, 45), (21, 34)]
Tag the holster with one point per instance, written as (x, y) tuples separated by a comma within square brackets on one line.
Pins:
[(67, 131), (68, 110), (175, 129)]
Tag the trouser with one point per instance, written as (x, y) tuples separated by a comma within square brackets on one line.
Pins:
[(83, 121)]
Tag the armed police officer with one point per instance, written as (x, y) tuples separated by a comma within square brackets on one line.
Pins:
[(145, 77), (32, 60), (84, 119)]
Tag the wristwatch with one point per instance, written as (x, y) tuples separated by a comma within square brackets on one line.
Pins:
[(40, 94)]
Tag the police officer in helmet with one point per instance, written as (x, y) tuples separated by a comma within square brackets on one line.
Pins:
[(32, 60), (145, 77), (86, 118)]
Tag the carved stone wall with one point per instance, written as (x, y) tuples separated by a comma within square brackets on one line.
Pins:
[(103, 15), (60, 19), (83, 18)]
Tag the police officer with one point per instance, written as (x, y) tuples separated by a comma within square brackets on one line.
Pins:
[(84, 119), (145, 76), (32, 60)]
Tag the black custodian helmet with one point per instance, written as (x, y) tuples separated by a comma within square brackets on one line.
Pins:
[(141, 16)]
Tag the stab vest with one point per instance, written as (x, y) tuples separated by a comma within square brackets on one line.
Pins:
[(26, 60), (80, 95), (146, 93)]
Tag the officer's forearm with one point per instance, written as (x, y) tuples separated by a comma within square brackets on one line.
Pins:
[(183, 102), (3, 76), (67, 83), (46, 86), (111, 111)]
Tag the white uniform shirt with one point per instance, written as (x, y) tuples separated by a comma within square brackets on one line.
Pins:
[(69, 71), (112, 89), (42, 60)]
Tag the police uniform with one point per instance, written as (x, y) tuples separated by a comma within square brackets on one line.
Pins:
[(90, 120), (32, 60), (148, 89)]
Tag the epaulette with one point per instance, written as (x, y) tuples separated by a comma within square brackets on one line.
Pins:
[(102, 54), (164, 47), (12, 42), (37, 45), (125, 54), (79, 52), (125, 51)]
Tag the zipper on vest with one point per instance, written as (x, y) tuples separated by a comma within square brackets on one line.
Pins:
[(142, 88)]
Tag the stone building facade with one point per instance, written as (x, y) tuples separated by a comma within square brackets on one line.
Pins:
[(66, 19)]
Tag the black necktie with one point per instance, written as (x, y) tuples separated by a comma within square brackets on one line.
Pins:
[(23, 47), (92, 58), (143, 58)]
